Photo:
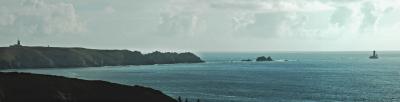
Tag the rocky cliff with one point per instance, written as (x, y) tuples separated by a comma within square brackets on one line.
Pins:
[(56, 57), (24, 87)]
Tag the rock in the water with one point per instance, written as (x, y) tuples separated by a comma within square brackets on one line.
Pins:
[(263, 58), (25, 87)]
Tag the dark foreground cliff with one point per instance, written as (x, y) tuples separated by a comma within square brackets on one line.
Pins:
[(57, 57), (24, 87)]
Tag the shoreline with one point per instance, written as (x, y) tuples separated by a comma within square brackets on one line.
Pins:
[(5, 69)]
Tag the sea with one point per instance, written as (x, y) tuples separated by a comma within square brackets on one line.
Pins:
[(291, 77)]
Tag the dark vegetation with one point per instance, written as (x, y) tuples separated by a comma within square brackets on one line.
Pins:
[(24, 87), (57, 57)]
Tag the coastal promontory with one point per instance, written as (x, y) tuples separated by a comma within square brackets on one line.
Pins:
[(61, 57)]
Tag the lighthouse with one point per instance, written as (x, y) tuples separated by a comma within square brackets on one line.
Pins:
[(17, 45), (374, 55)]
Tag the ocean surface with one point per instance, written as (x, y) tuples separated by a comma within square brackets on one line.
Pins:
[(304, 77)]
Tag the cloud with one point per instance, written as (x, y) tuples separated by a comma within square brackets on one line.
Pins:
[(26, 17), (272, 5), (364, 17), (181, 17), (308, 19), (340, 16), (253, 17), (6, 19), (281, 18), (109, 9)]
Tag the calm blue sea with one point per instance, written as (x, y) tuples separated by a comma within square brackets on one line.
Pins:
[(305, 77)]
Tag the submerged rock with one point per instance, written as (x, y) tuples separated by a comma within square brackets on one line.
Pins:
[(246, 60), (24, 87), (263, 58)]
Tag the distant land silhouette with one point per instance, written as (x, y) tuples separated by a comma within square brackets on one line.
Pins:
[(25, 87), (18, 56)]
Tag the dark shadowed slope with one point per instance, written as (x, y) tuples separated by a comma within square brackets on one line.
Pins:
[(24, 87), (51, 57)]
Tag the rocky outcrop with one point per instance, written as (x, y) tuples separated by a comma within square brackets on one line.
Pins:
[(172, 57), (56, 57), (24, 87), (263, 58)]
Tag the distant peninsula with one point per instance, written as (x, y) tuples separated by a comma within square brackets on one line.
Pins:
[(23, 87), (17, 56)]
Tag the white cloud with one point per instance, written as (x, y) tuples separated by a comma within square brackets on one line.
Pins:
[(181, 17), (178, 14), (198, 21), (26, 17), (272, 5), (109, 9), (242, 20), (6, 19)]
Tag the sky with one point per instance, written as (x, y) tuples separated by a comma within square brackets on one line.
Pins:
[(204, 25)]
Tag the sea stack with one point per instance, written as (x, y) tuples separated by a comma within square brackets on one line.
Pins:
[(263, 58)]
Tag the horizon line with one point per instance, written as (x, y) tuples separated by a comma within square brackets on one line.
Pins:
[(223, 51)]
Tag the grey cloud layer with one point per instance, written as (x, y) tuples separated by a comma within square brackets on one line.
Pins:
[(180, 23), (278, 17)]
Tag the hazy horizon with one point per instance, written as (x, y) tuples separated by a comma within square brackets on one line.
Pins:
[(204, 25)]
